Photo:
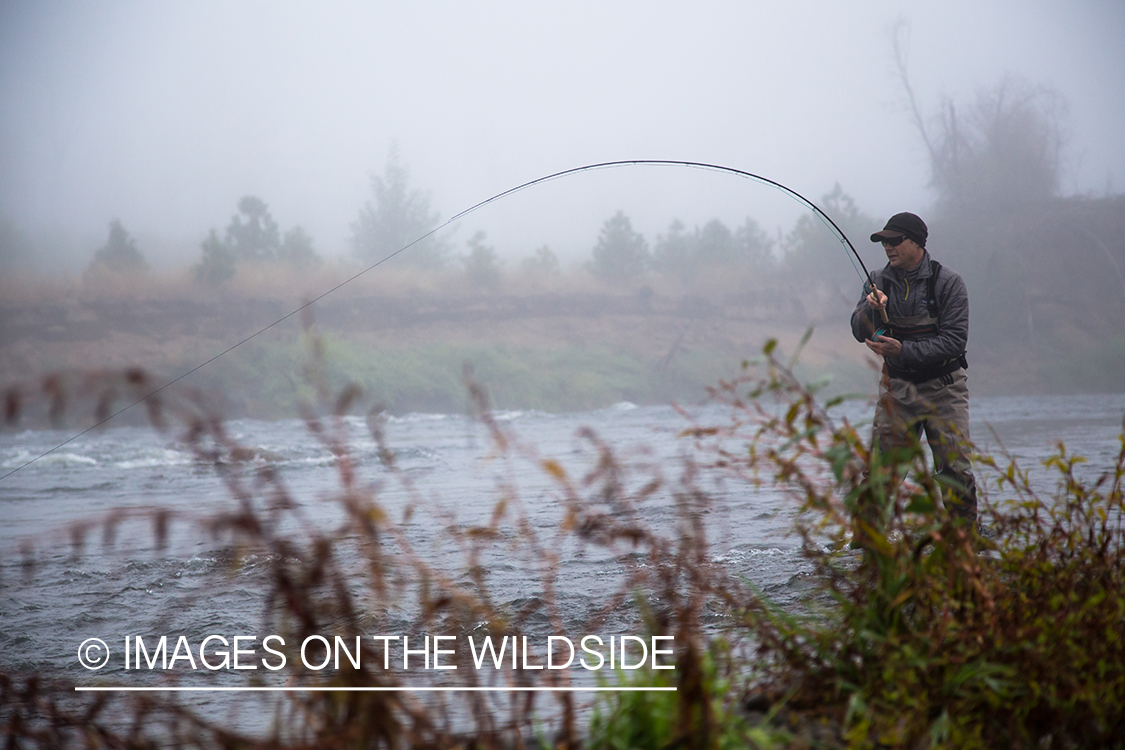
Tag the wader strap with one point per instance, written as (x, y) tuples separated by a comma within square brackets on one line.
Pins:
[(921, 376)]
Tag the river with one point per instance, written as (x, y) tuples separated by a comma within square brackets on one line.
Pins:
[(59, 591)]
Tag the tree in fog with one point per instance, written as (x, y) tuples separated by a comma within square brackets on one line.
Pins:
[(218, 263), (685, 255), (481, 264), (119, 255), (811, 242), (1001, 149), (995, 164), (252, 233), (674, 252), (621, 254), (755, 247), (715, 246), (252, 236), (543, 263), (297, 249), (397, 216)]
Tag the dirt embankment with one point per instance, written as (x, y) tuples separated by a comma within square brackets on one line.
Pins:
[(659, 331), (649, 345)]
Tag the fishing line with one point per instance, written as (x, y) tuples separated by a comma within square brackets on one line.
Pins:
[(824, 218)]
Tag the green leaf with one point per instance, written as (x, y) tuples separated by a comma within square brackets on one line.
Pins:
[(921, 504)]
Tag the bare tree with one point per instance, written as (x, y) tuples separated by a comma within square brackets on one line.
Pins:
[(1002, 149)]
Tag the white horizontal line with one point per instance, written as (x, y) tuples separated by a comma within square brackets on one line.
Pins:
[(465, 689)]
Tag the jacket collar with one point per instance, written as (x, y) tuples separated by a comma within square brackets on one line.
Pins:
[(920, 271)]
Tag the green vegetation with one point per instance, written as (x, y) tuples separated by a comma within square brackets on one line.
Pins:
[(925, 641), (631, 720), (264, 379)]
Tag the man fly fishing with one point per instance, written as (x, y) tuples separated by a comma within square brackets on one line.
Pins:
[(922, 310)]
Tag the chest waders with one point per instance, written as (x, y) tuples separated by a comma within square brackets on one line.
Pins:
[(924, 326)]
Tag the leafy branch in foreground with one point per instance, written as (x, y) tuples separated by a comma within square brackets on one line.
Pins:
[(932, 636)]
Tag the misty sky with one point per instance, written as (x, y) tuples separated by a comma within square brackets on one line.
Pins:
[(164, 114)]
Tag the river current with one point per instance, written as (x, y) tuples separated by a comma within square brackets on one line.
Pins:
[(57, 593)]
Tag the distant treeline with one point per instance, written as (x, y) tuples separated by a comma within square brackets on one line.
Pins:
[(1045, 273)]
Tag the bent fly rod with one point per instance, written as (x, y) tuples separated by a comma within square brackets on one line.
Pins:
[(825, 219)]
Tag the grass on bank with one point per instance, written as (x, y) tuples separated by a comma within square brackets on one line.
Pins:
[(920, 640), (266, 380)]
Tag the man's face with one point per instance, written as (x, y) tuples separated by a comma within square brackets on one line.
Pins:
[(905, 255)]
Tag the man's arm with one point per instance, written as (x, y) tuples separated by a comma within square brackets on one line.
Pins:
[(863, 313)]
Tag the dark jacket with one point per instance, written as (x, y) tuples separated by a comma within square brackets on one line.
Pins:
[(906, 293)]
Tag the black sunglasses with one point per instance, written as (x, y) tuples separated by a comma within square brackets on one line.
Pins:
[(893, 241)]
